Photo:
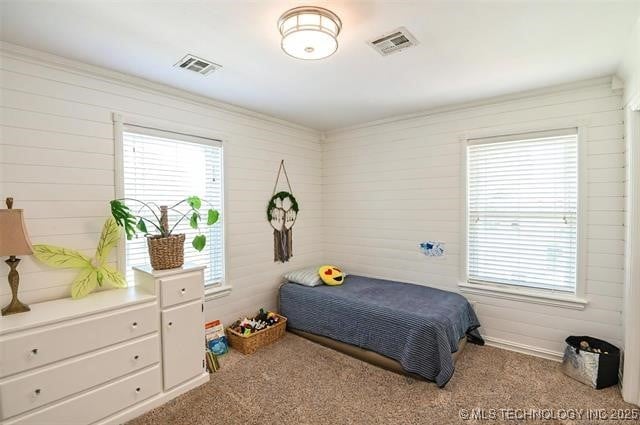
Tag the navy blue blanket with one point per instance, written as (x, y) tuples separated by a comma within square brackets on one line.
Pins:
[(416, 325)]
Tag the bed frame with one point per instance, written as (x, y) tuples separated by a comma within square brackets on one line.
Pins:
[(367, 355)]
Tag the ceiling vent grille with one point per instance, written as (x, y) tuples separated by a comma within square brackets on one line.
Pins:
[(196, 64), (396, 41)]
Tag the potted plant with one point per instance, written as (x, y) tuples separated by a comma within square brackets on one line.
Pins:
[(166, 250)]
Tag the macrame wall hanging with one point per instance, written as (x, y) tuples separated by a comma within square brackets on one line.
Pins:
[(282, 212)]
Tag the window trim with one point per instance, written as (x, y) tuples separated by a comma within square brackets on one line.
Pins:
[(575, 300), (213, 289)]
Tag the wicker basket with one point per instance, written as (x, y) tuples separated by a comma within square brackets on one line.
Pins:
[(251, 343), (166, 252)]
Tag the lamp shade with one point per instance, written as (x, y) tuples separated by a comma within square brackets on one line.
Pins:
[(14, 239)]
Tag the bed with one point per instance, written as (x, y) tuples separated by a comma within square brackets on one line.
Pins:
[(418, 327)]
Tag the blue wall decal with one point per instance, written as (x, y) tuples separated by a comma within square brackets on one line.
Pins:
[(432, 248)]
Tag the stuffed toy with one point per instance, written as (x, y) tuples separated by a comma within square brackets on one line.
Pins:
[(331, 275)]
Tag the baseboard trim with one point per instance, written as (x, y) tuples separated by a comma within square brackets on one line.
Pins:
[(153, 402), (523, 348)]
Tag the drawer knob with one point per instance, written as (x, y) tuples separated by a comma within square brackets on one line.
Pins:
[(183, 290), (136, 357), (138, 389), (170, 323), (34, 351), (37, 391), (134, 324)]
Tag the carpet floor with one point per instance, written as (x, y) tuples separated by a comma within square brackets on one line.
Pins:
[(296, 381)]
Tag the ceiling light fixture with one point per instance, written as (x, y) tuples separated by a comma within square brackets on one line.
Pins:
[(309, 32)]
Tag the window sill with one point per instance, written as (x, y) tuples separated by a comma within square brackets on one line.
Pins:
[(216, 292), (569, 301)]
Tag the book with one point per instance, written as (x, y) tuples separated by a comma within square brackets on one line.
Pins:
[(215, 338), (212, 362)]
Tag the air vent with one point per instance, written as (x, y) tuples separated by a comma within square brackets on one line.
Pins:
[(199, 65), (395, 41)]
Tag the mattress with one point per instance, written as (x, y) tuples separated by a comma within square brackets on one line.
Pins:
[(416, 325)]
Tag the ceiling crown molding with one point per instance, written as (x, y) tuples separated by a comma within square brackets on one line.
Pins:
[(597, 81), (25, 53)]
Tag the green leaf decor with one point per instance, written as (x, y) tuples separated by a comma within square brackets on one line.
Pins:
[(94, 272)]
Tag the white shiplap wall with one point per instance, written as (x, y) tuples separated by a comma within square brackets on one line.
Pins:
[(57, 161), (368, 194), (391, 184)]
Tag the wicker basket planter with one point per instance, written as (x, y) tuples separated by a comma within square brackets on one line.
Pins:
[(251, 343), (166, 252)]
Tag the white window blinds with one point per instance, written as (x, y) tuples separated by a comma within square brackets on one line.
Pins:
[(163, 168), (522, 210)]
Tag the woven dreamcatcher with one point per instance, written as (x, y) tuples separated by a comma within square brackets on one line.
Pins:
[(282, 212)]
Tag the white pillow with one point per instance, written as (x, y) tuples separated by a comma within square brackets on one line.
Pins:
[(306, 277)]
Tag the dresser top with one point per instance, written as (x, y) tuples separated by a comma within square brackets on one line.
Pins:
[(49, 312), (169, 272)]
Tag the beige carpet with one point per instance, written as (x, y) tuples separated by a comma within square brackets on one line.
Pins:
[(298, 382)]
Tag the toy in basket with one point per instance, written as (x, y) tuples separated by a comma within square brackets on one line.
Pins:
[(248, 335)]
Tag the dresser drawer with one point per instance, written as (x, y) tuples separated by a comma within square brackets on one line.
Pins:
[(181, 288), (33, 389), (98, 403), (30, 349)]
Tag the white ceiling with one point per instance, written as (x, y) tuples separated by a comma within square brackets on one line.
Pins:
[(470, 49)]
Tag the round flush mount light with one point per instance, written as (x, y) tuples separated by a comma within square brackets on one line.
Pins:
[(309, 32)]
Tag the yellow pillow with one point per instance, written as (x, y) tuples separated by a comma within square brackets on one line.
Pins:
[(331, 275)]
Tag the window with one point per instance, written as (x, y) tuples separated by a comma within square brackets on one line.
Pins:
[(522, 206), (163, 168)]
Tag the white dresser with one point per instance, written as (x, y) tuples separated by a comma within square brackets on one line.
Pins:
[(106, 358)]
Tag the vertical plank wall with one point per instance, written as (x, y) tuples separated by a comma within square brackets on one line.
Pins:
[(389, 185), (57, 161)]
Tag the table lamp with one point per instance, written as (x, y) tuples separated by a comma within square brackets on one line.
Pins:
[(13, 241)]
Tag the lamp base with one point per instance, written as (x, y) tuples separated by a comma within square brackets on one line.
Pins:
[(15, 306)]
